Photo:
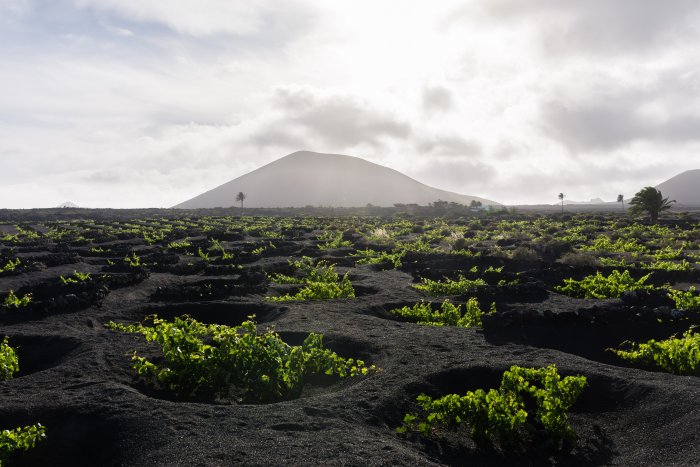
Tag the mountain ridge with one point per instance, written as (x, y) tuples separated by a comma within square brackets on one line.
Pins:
[(306, 178), (684, 187)]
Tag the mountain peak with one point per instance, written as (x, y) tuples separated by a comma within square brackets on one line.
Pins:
[(684, 188), (68, 204), (307, 178)]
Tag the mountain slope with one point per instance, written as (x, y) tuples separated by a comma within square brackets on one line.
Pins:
[(307, 178), (684, 188), (68, 204)]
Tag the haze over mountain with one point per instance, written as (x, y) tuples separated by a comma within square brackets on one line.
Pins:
[(68, 204), (591, 201), (684, 188), (306, 178)]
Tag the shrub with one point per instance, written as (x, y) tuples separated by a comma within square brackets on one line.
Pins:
[(13, 301), (579, 259), (370, 256), (10, 266), (523, 253), (308, 272), (76, 278), (19, 439), (688, 301), (615, 262), (9, 363), (23, 438), (133, 261), (621, 245), (552, 249), (505, 416), (599, 286), (460, 244), (205, 359), (448, 314), (683, 265), (332, 240), (674, 355), (181, 245), (451, 287), (322, 282), (320, 291)]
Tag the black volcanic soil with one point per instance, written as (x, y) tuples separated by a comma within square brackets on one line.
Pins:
[(77, 380)]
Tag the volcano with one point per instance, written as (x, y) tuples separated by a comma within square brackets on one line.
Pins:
[(307, 178), (684, 188)]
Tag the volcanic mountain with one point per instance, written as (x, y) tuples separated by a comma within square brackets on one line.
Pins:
[(307, 178), (684, 188), (68, 204)]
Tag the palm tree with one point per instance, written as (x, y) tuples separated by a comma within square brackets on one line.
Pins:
[(621, 199), (240, 197), (561, 197), (651, 201)]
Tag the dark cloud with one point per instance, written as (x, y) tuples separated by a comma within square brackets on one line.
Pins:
[(437, 99), (450, 146), (599, 26), (338, 121)]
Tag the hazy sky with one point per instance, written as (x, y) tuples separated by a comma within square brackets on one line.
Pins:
[(131, 103)]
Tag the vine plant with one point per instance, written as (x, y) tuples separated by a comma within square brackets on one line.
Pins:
[(216, 360), (529, 400)]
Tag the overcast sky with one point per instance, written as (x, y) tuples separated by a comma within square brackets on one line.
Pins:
[(135, 103)]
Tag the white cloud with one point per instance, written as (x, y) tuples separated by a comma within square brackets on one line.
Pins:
[(197, 18), (133, 103)]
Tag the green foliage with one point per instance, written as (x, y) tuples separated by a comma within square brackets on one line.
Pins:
[(465, 252), (203, 359), (450, 287), (669, 265), (320, 291), (651, 201), (10, 266), (216, 245), (668, 253), (9, 363), (332, 240), (153, 237), (133, 261), (262, 248), (19, 439), (307, 272), (614, 262), (505, 416), (76, 278), (678, 355), (181, 245), (599, 286), (621, 245), (447, 315), (13, 301), (689, 301), (370, 256), (202, 254), (270, 234), (321, 279), (419, 245)]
